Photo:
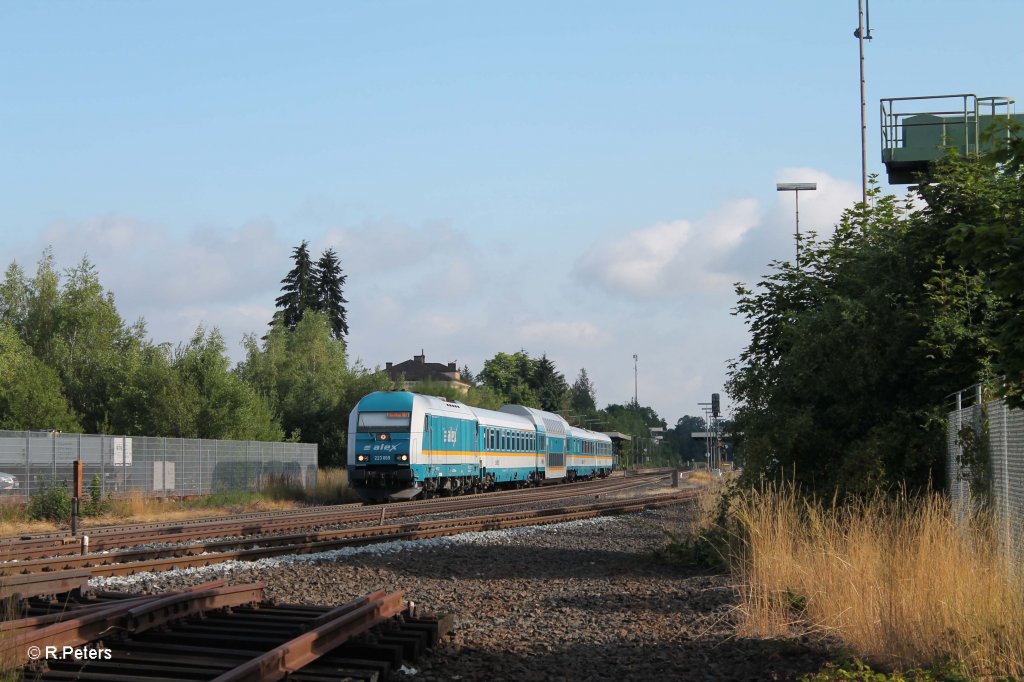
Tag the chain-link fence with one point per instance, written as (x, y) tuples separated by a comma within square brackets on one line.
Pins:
[(155, 467), (986, 459)]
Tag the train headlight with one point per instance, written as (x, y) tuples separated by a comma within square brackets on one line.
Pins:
[(403, 458), (383, 436), (361, 458)]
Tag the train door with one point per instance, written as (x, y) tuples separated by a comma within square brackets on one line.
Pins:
[(555, 467), (540, 453), (428, 442)]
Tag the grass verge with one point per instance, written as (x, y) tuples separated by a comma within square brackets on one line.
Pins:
[(897, 580)]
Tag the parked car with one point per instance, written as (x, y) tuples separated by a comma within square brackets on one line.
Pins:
[(8, 481)]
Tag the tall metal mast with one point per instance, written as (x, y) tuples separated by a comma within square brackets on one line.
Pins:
[(863, 33)]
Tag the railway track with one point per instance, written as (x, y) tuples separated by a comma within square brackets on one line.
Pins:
[(114, 537), (217, 632), (97, 531), (53, 574)]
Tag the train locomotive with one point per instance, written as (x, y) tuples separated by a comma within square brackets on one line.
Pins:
[(403, 445)]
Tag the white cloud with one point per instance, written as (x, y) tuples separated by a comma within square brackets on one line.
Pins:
[(211, 276), (707, 255), (563, 334), (146, 265), (378, 245), (669, 258)]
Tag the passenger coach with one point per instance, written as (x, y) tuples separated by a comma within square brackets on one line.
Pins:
[(402, 445)]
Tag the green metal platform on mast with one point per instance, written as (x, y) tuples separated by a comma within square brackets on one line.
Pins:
[(918, 130)]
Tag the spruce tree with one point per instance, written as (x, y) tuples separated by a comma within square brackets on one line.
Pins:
[(330, 301), (299, 290), (582, 396), (551, 387)]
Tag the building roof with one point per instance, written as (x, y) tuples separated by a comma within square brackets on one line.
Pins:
[(418, 369)]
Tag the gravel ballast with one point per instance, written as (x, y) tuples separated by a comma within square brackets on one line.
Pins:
[(586, 600)]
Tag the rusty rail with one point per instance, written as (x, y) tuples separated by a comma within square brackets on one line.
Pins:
[(123, 617), (190, 635), (245, 525), (295, 654), (205, 554)]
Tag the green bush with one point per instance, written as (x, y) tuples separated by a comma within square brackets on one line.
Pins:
[(707, 550), (50, 503), (858, 671), (94, 504)]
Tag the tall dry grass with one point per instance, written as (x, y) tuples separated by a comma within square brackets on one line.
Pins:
[(897, 580), (332, 486)]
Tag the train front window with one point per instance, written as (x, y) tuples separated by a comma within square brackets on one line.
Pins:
[(384, 422)]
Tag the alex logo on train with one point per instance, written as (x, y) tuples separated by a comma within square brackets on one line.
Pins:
[(381, 447)]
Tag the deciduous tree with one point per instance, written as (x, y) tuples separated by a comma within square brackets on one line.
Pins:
[(851, 354), (30, 392)]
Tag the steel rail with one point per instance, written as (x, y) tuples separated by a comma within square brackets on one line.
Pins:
[(256, 642), (191, 556), (51, 582), (309, 646), (232, 527), (129, 616), (72, 610), (97, 531)]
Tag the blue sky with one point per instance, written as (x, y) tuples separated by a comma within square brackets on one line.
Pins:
[(586, 180)]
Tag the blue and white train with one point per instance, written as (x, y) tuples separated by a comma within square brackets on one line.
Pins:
[(403, 445)]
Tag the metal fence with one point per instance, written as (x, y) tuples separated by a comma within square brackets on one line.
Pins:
[(156, 467), (998, 432)]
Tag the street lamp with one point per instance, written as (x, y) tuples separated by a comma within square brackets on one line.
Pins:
[(795, 187)]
